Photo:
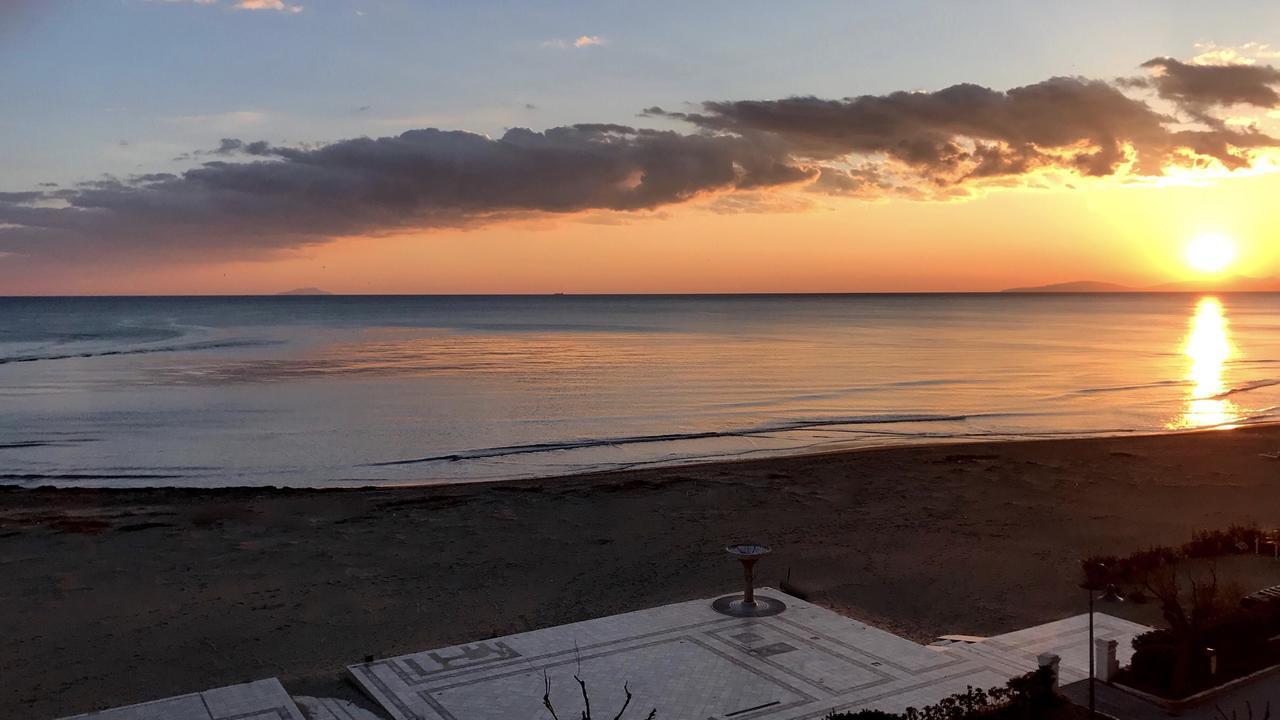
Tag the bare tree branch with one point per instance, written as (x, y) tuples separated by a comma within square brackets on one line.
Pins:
[(546, 695), (625, 703), (586, 701)]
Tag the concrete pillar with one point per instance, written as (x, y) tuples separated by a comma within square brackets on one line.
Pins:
[(1051, 661), (1104, 659)]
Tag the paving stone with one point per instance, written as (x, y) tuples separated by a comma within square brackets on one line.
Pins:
[(688, 661), (259, 700), (332, 709)]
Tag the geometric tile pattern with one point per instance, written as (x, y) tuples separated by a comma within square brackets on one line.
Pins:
[(259, 700), (326, 708), (688, 661)]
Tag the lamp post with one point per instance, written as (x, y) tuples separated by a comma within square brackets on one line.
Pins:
[(1093, 709), (1111, 594)]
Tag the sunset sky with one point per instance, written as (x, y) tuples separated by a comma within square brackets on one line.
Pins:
[(390, 146)]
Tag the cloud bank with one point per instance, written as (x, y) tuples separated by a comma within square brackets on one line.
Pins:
[(257, 198), (422, 178)]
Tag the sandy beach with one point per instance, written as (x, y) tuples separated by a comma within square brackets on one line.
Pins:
[(118, 596)]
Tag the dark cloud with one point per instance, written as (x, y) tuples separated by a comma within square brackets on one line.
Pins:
[(18, 198), (153, 178), (422, 178), (227, 147), (861, 181), (255, 197), (232, 146), (968, 132), (1199, 87)]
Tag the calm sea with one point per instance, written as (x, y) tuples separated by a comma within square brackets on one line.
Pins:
[(324, 391)]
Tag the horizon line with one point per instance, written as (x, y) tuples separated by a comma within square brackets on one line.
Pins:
[(287, 295)]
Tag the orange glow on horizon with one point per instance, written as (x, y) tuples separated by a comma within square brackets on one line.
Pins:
[(1133, 235)]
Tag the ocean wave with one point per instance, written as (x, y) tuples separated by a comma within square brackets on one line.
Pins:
[(1245, 387), (62, 477), (785, 426), (61, 442), (185, 347), (1135, 386), (1265, 416), (835, 393), (118, 334), (1254, 385)]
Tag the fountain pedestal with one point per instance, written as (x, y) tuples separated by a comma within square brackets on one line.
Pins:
[(748, 604)]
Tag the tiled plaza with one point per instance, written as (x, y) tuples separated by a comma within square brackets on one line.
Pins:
[(260, 700), (688, 661)]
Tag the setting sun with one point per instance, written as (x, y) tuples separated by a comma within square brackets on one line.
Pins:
[(1211, 253)]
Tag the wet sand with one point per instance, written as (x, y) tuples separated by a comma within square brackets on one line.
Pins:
[(117, 596)]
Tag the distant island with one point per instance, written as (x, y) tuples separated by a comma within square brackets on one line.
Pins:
[(305, 291), (1239, 283)]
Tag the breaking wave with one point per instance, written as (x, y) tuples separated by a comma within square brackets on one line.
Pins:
[(184, 347), (786, 426)]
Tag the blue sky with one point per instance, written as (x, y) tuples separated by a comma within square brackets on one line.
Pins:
[(122, 86)]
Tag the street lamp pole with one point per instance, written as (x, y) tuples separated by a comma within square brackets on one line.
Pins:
[(1112, 595), (1092, 706)]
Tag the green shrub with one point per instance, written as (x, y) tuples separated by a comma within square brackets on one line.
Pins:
[(1216, 543), (1102, 570), (1154, 655), (1241, 639)]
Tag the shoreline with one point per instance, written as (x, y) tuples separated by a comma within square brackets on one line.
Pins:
[(190, 588), (656, 466)]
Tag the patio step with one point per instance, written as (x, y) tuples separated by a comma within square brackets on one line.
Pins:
[(333, 709)]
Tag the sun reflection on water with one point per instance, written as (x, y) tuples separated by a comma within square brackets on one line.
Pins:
[(1208, 347)]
